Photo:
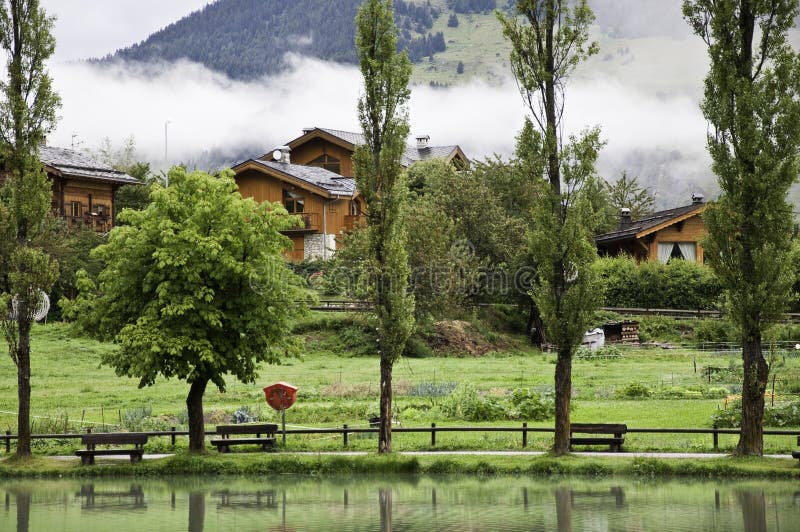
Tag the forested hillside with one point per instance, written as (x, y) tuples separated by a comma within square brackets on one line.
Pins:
[(249, 38)]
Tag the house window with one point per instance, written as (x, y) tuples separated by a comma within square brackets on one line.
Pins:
[(74, 209), (355, 208), (328, 163), (101, 210), (293, 202), (677, 250)]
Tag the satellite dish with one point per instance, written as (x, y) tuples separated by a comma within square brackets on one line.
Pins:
[(41, 310), (277, 155)]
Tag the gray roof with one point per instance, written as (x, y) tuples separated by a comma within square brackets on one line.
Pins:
[(637, 226), (411, 155), (71, 163), (331, 182)]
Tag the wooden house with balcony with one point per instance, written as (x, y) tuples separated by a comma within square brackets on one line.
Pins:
[(83, 189), (661, 236), (333, 149), (312, 177), (326, 202)]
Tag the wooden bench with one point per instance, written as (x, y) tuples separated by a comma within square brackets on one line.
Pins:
[(614, 435), (114, 438), (224, 432)]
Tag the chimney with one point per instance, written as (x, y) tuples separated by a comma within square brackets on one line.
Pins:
[(422, 141), (307, 130), (285, 154), (697, 199), (624, 217)]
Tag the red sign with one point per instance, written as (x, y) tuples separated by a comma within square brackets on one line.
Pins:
[(281, 395)]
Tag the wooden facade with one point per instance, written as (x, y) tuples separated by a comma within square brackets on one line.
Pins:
[(83, 189), (660, 236), (312, 177), (324, 212)]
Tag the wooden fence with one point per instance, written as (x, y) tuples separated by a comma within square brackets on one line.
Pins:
[(433, 430)]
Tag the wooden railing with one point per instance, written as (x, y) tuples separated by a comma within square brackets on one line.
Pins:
[(311, 222), (433, 430), (352, 221)]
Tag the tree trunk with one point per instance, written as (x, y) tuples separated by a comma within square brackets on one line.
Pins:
[(756, 377), (194, 406), (535, 326), (23, 381), (385, 431), (563, 396)]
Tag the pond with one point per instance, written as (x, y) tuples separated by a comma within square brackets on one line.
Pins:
[(397, 503)]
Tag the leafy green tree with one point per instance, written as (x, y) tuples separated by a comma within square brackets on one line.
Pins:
[(126, 160), (752, 100), (195, 287), (28, 107), (383, 115), (627, 193), (545, 50)]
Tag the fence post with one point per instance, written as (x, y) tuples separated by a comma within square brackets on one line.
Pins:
[(8, 441), (88, 430), (524, 434), (172, 436), (433, 434), (344, 434), (716, 438)]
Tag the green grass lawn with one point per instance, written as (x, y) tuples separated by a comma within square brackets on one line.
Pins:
[(71, 390)]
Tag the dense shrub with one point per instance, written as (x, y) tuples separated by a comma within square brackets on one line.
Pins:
[(781, 415), (716, 331), (634, 390), (466, 403), (678, 284), (533, 406), (608, 352)]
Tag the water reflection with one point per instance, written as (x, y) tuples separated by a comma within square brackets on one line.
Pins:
[(754, 510), (282, 504), (91, 499)]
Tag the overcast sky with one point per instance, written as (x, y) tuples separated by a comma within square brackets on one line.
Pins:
[(643, 91), (94, 28)]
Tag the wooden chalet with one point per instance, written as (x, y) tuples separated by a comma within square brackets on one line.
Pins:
[(312, 177), (326, 202), (83, 189), (661, 236), (333, 149)]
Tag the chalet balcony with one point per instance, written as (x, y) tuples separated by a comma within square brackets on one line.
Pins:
[(352, 221), (99, 223), (310, 222)]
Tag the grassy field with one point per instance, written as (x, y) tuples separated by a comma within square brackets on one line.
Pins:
[(72, 391)]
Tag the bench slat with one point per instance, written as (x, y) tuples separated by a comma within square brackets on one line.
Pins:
[(596, 441), (599, 428), (109, 452), (115, 438), (245, 441), (264, 428)]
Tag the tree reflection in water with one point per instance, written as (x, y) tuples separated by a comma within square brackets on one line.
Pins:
[(385, 500), (197, 511), (754, 510)]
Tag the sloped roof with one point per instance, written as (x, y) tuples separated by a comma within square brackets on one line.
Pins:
[(411, 155), (331, 183), (651, 223), (74, 164)]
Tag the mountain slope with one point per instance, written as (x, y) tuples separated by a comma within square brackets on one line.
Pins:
[(249, 38)]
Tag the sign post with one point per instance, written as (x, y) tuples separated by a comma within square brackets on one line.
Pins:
[(281, 396)]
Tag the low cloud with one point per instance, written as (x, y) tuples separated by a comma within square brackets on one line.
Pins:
[(208, 112)]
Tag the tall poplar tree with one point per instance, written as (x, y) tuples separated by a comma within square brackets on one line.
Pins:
[(545, 51), (28, 107), (752, 101), (383, 115)]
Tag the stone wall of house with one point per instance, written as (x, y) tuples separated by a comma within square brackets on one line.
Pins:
[(315, 246)]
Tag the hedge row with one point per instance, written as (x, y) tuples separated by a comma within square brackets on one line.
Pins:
[(678, 284)]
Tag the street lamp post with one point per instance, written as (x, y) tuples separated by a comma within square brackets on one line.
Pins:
[(166, 138)]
